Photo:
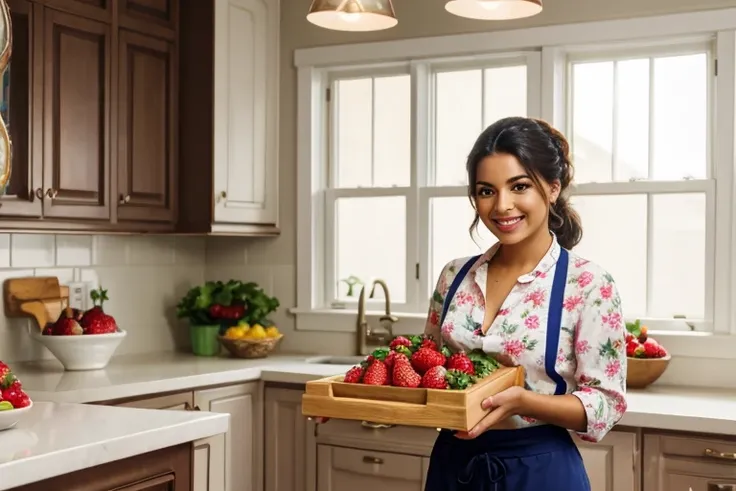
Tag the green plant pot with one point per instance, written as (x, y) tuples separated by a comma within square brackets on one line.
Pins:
[(204, 340)]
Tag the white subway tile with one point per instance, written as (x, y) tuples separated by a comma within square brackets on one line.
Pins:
[(109, 250), (4, 250), (32, 250), (65, 275), (73, 250)]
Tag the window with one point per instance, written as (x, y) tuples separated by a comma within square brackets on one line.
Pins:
[(639, 126), (397, 184), (385, 130)]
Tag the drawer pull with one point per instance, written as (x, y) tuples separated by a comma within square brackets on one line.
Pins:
[(709, 452), (375, 426), (367, 459)]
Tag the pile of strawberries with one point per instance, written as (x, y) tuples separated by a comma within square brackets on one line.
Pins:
[(639, 345), (74, 322), (12, 395), (416, 361)]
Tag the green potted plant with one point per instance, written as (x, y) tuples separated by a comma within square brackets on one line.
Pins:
[(215, 306)]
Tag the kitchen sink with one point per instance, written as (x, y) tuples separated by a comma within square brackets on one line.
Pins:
[(336, 360)]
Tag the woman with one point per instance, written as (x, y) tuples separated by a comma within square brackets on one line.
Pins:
[(530, 302)]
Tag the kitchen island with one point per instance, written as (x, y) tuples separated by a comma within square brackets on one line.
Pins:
[(105, 445)]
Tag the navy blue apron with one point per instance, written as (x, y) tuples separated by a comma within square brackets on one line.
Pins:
[(525, 459)]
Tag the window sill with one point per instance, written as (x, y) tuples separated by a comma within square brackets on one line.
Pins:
[(678, 343)]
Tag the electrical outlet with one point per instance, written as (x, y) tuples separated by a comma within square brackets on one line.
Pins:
[(78, 295)]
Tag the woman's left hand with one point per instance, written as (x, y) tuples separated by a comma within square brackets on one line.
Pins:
[(503, 405)]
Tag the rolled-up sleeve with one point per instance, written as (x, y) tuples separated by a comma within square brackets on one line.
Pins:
[(600, 352)]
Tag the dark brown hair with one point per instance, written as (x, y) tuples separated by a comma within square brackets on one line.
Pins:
[(545, 154)]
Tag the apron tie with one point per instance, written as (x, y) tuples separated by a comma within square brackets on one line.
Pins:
[(494, 468)]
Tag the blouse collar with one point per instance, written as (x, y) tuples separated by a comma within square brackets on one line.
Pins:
[(540, 270)]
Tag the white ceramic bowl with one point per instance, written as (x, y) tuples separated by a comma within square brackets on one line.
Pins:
[(82, 352), (10, 418)]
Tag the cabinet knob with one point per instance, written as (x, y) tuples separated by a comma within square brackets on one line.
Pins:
[(39, 193), (124, 198), (52, 193), (221, 196)]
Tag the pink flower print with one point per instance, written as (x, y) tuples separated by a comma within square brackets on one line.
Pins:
[(513, 347), (540, 274), (586, 390), (478, 332), (447, 328), (599, 426), (582, 347), (579, 263), (529, 420), (613, 368), (532, 322), (561, 356), (613, 320), (587, 438), (585, 278), (606, 291), (584, 379), (434, 318), (463, 298), (503, 313), (571, 303), (621, 406), (536, 298)]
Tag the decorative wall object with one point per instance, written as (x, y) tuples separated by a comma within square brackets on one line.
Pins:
[(6, 43)]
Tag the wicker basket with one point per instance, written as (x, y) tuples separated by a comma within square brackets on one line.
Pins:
[(250, 348), (642, 372)]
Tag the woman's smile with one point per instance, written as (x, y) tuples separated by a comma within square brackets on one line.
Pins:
[(508, 225)]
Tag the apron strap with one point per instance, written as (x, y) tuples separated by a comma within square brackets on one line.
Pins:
[(554, 321), (459, 277)]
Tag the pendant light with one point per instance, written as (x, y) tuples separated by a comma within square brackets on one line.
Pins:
[(352, 15), (494, 9)]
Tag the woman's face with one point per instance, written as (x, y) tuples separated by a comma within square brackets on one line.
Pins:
[(508, 201)]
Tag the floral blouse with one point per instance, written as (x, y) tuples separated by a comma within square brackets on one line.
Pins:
[(591, 355)]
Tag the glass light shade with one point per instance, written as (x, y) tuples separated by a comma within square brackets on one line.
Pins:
[(494, 9), (352, 15)]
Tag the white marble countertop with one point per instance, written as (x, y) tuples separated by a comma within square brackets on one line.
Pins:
[(664, 407), (54, 439)]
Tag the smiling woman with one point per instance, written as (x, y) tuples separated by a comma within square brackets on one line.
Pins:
[(529, 302)]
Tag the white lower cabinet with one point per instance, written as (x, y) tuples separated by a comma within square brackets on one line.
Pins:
[(355, 469), (613, 463), (232, 461)]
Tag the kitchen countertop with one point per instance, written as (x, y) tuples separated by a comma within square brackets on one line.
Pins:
[(659, 407), (53, 439)]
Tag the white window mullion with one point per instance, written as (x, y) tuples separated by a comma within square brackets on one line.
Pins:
[(329, 247), (724, 315), (552, 88), (642, 187), (534, 85)]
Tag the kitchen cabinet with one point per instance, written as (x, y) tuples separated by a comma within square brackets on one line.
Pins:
[(677, 462), (229, 121), (613, 463), (92, 115), (290, 448), (168, 469), (235, 458)]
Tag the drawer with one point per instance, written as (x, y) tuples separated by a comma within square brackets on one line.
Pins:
[(693, 447), (362, 462), (364, 435)]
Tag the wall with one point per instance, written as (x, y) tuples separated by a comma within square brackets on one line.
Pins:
[(144, 275)]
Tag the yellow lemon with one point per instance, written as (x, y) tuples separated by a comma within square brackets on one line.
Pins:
[(257, 332), (272, 332), (232, 333), (243, 323)]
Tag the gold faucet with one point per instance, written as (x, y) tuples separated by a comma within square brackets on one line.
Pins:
[(367, 337)]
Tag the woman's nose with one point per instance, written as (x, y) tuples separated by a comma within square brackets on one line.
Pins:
[(504, 202)]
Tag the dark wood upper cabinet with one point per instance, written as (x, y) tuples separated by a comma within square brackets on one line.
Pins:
[(76, 117), (146, 129), (20, 198), (101, 10), (152, 17)]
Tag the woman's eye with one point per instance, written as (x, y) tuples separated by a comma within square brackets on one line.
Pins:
[(520, 187), (485, 192)]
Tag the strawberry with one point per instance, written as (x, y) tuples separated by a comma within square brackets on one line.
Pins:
[(4, 373), (426, 358), (16, 397), (651, 348), (399, 341), (643, 334), (354, 375), (631, 347), (95, 320), (376, 374), (429, 343), (461, 362), (404, 375), (435, 378), (66, 324)]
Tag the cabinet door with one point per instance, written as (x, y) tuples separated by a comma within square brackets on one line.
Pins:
[(208, 466), (146, 129), (76, 117), (612, 464), (244, 439), (156, 17), (174, 402), (290, 444), (246, 88), (21, 81), (688, 463), (341, 469)]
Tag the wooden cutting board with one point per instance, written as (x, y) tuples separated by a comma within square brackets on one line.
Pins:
[(40, 297)]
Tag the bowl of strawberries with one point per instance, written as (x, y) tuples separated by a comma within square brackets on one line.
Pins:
[(646, 359), (83, 340), (14, 402)]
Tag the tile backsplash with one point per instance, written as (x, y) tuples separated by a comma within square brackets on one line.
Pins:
[(145, 276)]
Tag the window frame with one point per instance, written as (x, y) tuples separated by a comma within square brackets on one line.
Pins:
[(554, 44)]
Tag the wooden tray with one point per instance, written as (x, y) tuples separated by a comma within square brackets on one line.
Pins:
[(449, 409)]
